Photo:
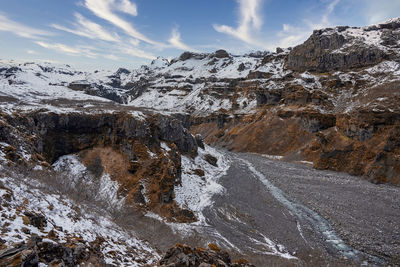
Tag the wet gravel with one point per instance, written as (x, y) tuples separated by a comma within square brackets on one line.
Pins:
[(365, 215), (323, 218)]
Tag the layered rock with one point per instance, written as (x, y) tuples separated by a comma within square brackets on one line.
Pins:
[(344, 48), (125, 146)]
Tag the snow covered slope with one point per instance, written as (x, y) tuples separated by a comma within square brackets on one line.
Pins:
[(31, 207)]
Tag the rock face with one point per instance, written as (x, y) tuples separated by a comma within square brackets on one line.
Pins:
[(100, 139), (182, 255), (344, 48)]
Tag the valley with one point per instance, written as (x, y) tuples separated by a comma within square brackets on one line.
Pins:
[(285, 158)]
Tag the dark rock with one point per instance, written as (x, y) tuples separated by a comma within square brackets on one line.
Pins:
[(317, 54), (258, 75), (11, 71), (52, 252), (221, 54), (122, 71), (199, 172), (172, 130), (189, 55), (36, 220), (211, 159), (31, 259), (315, 121), (166, 197), (134, 166), (138, 196), (279, 50), (199, 141), (182, 255), (79, 85), (185, 56), (241, 67), (268, 97)]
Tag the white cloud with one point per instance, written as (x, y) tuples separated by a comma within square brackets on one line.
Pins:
[(250, 20), (134, 42), (105, 9), (21, 30), (76, 51), (31, 52), (136, 52), (127, 7), (176, 41), (89, 29), (291, 35), (112, 57), (378, 11)]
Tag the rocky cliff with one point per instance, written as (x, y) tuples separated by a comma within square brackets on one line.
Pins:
[(344, 48), (342, 81), (126, 146)]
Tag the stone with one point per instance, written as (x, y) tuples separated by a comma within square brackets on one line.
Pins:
[(221, 54), (211, 159), (199, 141), (36, 220), (183, 255), (317, 53)]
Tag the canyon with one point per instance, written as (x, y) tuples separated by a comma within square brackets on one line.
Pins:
[(284, 158)]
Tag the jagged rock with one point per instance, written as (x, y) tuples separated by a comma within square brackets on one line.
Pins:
[(241, 67), (188, 55), (221, 54), (258, 75), (79, 85), (199, 141), (270, 97), (36, 220), (211, 159), (47, 252), (185, 256), (320, 53), (172, 130)]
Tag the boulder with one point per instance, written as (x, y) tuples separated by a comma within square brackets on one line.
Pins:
[(183, 255), (36, 220)]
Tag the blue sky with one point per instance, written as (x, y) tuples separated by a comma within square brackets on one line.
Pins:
[(107, 34)]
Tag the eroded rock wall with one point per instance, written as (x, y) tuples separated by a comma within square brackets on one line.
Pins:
[(125, 146)]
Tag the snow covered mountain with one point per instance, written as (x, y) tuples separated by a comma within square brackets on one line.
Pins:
[(115, 143)]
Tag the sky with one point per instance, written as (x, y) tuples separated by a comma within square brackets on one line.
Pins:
[(107, 34)]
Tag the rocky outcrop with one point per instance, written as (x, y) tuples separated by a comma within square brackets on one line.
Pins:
[(128, 147), (321, 53), (100, 90), (344, 48), (49, 252), (182, 255)]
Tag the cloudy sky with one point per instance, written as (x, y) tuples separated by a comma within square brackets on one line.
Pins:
[(129, 33)]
